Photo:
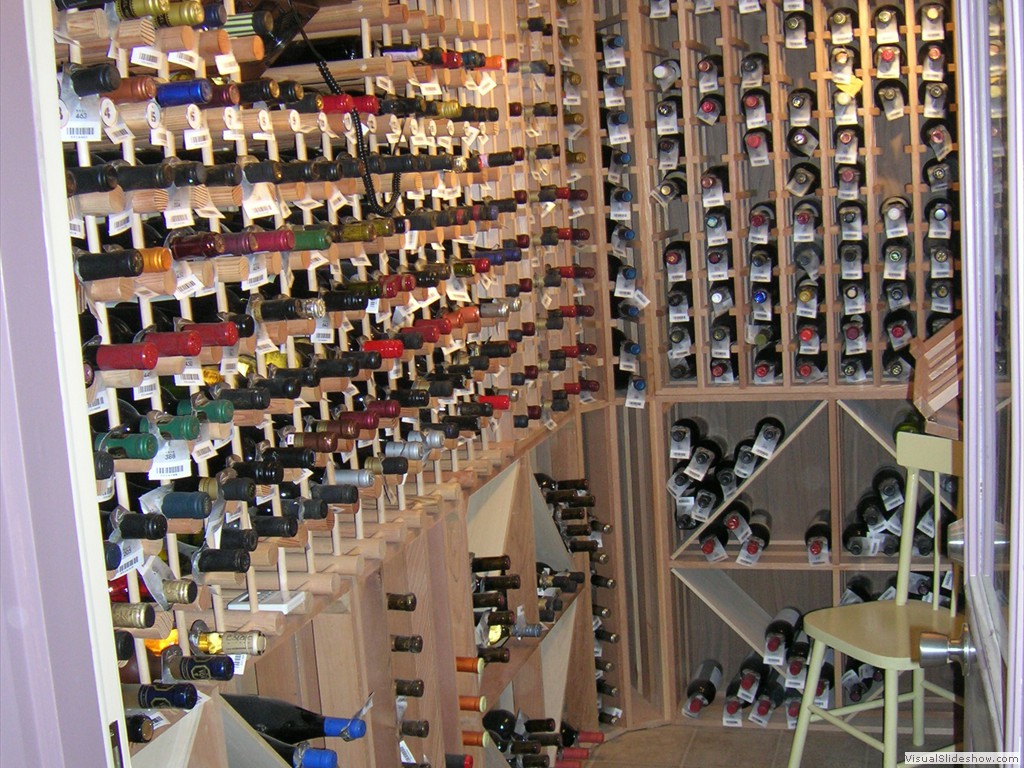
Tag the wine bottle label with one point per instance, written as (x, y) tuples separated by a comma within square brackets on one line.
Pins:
[(700, 464), (618, 134), (768, 439), (614, 58), (749, 6), (748, 558), (823, 700), (703, 6), (624, 289), (635, 397), (660, 9), (822, 557), (717, 552), (734, 718), (926, 524), (849, 597), (762, 711), (797, 681)]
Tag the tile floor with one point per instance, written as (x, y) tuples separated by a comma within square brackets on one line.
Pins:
[(676, 746)]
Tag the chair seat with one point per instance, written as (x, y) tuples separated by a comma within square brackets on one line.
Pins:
[(882, 634)]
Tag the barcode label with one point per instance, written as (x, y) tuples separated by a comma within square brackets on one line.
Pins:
[(203, 450), (257, 272), (81, 132), (324, 332), (118, 133), (172, 462), (192, 375), (196, 139), (149, 386), (187, 287), (119, 222), (187, 59), (99, 401), (145, 56), (132, 557), (176, 218), (258, 206), (227, 64)]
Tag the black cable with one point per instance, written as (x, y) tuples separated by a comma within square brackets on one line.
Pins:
[(362, 150)]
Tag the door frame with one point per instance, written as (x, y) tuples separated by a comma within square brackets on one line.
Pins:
[(997, 640)]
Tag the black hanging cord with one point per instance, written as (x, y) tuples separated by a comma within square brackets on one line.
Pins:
[(362, 150)]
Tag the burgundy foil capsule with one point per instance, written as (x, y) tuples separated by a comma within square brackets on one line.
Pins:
[(572, 388), (579, 194), (515, 109), (571, 351), (564, 233), (512, 347), (196, 246), (526, 284), (529, 329), (533, 412), (275, 240), (519, 153), (481, 264), (241, 243), (512, 65), (497, 402), (590, 385), (365, 420), (587, 349), (406, 282), (388, 288), (223, 334), (88, 374), (521, 196), (531, 371), (522, 241), (455, 318), (388, 348), (127, 357), (183, 344), (580, 234), (389, 409)]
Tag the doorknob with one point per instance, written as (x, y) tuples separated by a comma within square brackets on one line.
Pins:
[(938, 650)]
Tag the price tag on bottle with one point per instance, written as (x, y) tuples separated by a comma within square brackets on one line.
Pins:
[(896, 107), (732, 719), (187, 283), (636, 398), (618, 134), (939, 229), (625, 289), (172, 461), (660, 9), (748, 558), (822, 557), (132, 557), (148, 387), (717, 553)]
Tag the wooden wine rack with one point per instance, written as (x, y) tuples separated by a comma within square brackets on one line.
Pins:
[(682, 609)]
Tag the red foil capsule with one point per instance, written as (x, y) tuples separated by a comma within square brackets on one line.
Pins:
[(494, 62), (571, 351), (521, 196), (758, 220), (562, 193), (430, 333), (526, 285), (572, 388), (564, 233), (531, 371), (183, 344), (497, 402), (569, 310), (576, 753), (275, 240), (214, 334), (761, 370), (388, 288), (388, 348), (481, 264), (455, 318), (127, 357), (341, 102), (366, 105), (512, 346), (443, 325), (522, 241), (470, 314)]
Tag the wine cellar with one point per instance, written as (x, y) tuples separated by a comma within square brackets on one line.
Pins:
[(442, 356)]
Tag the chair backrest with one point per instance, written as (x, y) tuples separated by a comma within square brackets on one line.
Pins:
[(925, 458)]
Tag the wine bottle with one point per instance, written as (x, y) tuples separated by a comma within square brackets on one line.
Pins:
[(779, 634), (818, 537), (703, 687), (302, 755), (291, 723)]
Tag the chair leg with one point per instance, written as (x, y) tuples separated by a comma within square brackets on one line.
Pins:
[(918, 703), (796, 753), (891, 713)]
